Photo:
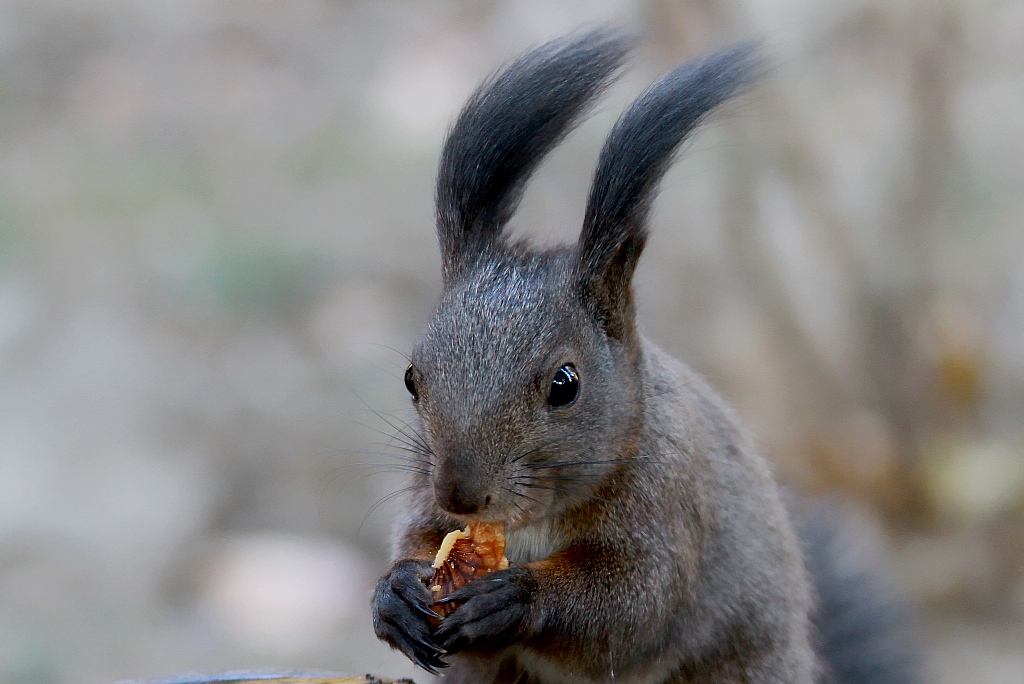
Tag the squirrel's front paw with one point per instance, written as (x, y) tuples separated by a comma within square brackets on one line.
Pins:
[(494, 611), (402, 614)]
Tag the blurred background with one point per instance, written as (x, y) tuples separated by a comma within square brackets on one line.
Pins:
[(216, 246)]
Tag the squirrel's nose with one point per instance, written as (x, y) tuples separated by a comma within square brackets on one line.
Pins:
[(459, 498)]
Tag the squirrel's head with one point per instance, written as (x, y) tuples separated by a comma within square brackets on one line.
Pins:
[(527, 378)]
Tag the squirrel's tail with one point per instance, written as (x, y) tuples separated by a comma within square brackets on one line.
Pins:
[(865, 628)]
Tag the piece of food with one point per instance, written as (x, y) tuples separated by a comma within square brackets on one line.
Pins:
[(465, 555)]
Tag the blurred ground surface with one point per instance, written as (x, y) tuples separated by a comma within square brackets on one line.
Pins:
[(216, 244)]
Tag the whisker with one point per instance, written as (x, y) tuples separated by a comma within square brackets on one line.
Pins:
[(563, 464), (404, 355), (399, 366), (370, 469), (557, 478), (390, 462), (385, 371), (401, 438), (376, 469), (383, 500), (415, 438), (521, 494), (402, 469), (529, 453), (407, 455), (516, 503), (570, 492)]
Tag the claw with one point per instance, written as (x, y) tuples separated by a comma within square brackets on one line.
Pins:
[(484, 585), (403, 618), (423, 654), (427, 647), (453, 645), (416, 598), (437, 662), (445, 630), (425, 610), (422, 663)]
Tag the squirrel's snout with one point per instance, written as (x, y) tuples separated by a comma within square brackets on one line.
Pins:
[(459, 497)]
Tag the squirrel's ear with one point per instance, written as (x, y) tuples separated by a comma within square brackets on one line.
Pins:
[(635, 157), (504, 131)]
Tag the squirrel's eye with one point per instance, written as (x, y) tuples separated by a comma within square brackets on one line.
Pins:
[(410, 383), (565, 386)]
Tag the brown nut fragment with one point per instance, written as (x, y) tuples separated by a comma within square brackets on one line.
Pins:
[(465, 555)]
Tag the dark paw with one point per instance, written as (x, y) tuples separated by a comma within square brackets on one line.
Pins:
[(493, 612), (402, 615)]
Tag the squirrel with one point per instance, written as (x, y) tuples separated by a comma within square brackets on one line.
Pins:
[(648, 541)]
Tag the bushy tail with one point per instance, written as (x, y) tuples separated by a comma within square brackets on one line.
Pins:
[(865, 628)]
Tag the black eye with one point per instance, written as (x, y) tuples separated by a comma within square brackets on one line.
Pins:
[(410, 383), (565, 386)]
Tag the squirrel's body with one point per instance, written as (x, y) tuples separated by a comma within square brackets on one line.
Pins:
[(692, 545), (647, 540)]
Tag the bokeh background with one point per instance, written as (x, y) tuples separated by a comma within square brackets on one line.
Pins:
[(216, 245)]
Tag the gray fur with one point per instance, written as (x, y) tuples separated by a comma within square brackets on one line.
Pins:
[(648, 540)]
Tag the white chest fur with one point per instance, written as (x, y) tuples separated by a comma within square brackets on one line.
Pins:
[(533, 542)]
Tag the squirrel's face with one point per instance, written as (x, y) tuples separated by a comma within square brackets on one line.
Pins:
[(524, 400), (526, 380)]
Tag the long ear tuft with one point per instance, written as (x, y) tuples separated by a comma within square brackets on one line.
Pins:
[(504, 131), (635, 157)]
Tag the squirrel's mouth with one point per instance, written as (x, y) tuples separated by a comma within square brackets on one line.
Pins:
[(504, 513), (491, 516)]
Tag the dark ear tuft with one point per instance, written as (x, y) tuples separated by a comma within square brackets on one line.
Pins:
[(636, 155), (504, 131)]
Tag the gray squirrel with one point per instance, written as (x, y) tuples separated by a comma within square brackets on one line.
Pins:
[(647, 541)]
